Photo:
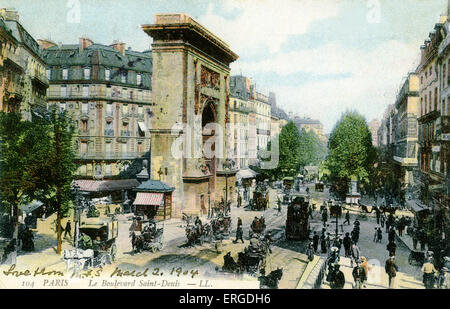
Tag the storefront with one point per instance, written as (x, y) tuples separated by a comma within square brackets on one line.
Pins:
[(153, 200)]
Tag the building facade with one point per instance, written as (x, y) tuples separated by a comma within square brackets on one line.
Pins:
[(406, 133), (430, 108), (23, 82), (107, 91), (374, 125)]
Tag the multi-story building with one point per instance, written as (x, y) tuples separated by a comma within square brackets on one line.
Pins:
[(107, 90), (240, 106), (309, 124), (374, 125), (263, 122), (23, 82), (406, 140), (430, 159)]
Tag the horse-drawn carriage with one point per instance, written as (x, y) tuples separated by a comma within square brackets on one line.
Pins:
[(260, 199), (218, 228), (221, 227), (252, 260), (287, 183), (258, 226), (149, 239), (297, 227), (96, 245)]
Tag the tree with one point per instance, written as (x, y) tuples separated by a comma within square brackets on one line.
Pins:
[(312, 149), (36, 161), (351, 153), (289, 153), (25, 149)]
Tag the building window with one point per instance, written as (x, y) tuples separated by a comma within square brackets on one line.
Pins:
[(84, 108), (65, 74), (87, 73), (107, 74), (84, 125), (83, 147), (436, 100), (125, 109), (108, 147), (139, 79), (62, 106), (85, 91), (109, 109), (124, 93), (49, 73), (108, 170), (63, 91), (124, 148), (124, 77), (108, 91), (430, 102), (140, 110), (444, 71)]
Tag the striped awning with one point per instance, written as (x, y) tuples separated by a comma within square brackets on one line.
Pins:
[(145, 198)]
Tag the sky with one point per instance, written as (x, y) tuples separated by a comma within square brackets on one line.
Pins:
[(320, 57)]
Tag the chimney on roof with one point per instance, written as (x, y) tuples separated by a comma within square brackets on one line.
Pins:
[(119, 46), (10, 14), (44, 44), (85, 43)]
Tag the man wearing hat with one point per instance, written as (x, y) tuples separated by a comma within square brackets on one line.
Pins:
[(428, 274), (391, 270)]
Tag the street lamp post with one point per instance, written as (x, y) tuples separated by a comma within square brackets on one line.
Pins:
[(209, 203)]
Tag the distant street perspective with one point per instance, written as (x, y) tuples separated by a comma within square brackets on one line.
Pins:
[(171, 168)]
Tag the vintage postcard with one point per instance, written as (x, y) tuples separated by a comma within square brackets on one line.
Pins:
[(228, 144)]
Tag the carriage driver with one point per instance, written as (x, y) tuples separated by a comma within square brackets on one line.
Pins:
[(198, 225)]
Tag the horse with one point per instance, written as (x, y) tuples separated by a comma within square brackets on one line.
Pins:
[(229, 264), (270, 281), (192, 235), (137, 242)]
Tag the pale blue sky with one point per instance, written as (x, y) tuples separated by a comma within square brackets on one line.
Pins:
[(321, 57)]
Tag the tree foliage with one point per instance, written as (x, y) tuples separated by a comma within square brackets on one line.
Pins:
[(351, 153), (312, 150)]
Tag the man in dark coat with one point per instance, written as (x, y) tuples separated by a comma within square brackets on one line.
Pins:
[(324, 217), (378, 214), (347, 217), (239, 234), (358, 275), (323, 243), (315, 241), (347, 242), (68, 229), (239, 200), (338, 279), (391, 236), (391, 270), (391, 247)]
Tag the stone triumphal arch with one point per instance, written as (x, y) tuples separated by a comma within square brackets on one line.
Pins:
[(190, 90)]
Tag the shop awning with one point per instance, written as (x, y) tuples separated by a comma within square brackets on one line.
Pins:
[(142, 126), (416, 206), (245, 174), (146, 198), (106, 185)]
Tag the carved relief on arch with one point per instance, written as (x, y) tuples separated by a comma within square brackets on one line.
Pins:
[(209, 78), (204, 100)]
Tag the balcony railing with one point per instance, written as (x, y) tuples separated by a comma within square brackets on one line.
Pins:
[(125, 133), (109, 132), (109, 156), (96, 94)]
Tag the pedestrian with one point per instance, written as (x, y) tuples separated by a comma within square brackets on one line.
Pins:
[(347, 218), (315, 241), (347, 242), (358, 275), (391, 270), (323, 243), (391, 236), (44, 212), (378, 214), (355, 235), (338, 278), (355, 253), (279, 206), (382, 220), (240, 200), (365, 265), (414, 237), (239, 234), (310, 212), (68, 229), (429, 272), (375, 235), (328, 241), (357, 223), (310, 251), (391, 247), (380, 235), (324, 217)]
